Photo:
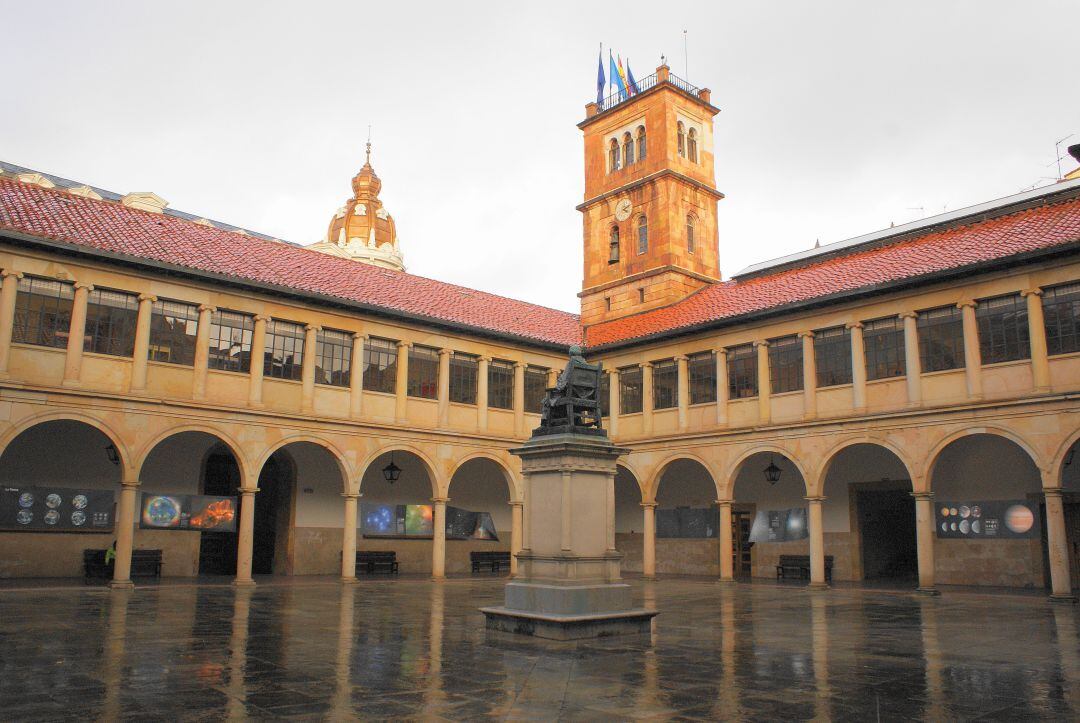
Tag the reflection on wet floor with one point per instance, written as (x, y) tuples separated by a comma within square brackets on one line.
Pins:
[(415, 648)]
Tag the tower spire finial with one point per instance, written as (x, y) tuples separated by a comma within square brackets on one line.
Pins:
[(368, 160)]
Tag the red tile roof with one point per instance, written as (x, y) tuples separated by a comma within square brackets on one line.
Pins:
[(935, 251), (115, 228)]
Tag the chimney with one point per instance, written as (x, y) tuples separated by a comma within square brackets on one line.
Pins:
[(145, 201)]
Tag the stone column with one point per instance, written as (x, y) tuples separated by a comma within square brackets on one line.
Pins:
[(763, 382), (356, 375), (258, 360), (683, 386), (8, 293), (858, 366), (444, 387), (809, 373), (1058, 546), (566, 540), (516, 515), (912, 360), (609, 512), (401, 383), (1040, 361), (307, 373), (817, 543), (202, 351), (648, 563), (646, 398), (721, 387), (924, 537), (972, 355), (141, 355), (125, 535), (76, 335), (553, 377), (613, 403), (727, 561), (246, 537), (482, 393), (519, 404), (438, 547), (348, 540)]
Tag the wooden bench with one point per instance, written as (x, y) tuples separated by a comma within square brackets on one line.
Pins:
[(371, 562), (798, 567), (144, 563), (491, 559)]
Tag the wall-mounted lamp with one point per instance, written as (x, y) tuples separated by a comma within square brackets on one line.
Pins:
[(391, 472), (112, 454), (772, 472)]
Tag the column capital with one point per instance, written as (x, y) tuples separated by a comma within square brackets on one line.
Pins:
[(485, 359), (11, 272), (516, 503), (725, 503), (613, 370), (350, 495), (84, 285), (261, 317), (681, 357), (923, 495), (445, 352), (965, 303), (313, 327), (520, 365), (207, 307), (1053, 491), (1035, 291), (853, 325), (720, 352), (147, 297), (440, 500), (761, 343), (817, 498), (359, 335), (646, 365), (650, 505), (805, 335), (909, 314), (248, 491), (404, 344), (134, 485)]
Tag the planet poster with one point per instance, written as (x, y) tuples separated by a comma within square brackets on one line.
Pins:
[(416, 521), (986, 519), (187, 512), (780, 525), (56, 509)]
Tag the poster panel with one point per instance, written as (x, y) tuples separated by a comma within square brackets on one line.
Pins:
[(780, 525), (187, 512), (379, 520), (987, 519), (55, 509), (687, 522)]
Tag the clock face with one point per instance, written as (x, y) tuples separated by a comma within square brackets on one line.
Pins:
[(623, 209)]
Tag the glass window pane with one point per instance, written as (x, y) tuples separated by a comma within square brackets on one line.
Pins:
[(785, 364), (500, 384), (283, 354), (42, 312), (1061, 312), (423, 372), (380, 365), (535, 388), (230, 341), (630, 390), (941, 339), (110, 322), (1003, 329), (174, 327), (742, 372), (883, 344), (665, 384), (701, 369), (333, 358), (464, 369), (832, 354)]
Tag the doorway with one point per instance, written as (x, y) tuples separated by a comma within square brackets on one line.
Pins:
[(887, 534), (270, 553), (217, 550), (741, 523)]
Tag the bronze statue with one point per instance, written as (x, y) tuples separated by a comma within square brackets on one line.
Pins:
[(572, 406)]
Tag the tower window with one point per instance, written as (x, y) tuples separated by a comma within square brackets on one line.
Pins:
[(642, 234), (691, 145), (641, 296), (613, 155), (691, 222), (613, 250), (607, 303), (680, 129), (641, 143), (628, 149)]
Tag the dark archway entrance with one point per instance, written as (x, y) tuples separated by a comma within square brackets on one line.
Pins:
[(221, 476), (274, 509)]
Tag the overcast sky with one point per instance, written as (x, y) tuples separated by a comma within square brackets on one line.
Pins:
[(837, 118)]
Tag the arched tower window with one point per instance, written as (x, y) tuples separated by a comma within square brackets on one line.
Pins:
[(641, 143), (613, 250), (681, 130), (613, 155), (691, 145), (628, 148), (691, 224), (642, 234)]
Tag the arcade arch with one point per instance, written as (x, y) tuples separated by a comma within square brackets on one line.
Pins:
[(481, 484), (629, 519), (685, 521), (416, 484)]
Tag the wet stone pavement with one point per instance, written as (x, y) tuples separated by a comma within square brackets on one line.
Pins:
[(411, 648)]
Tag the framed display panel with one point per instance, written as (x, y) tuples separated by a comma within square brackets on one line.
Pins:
[(687, 522), (417, 522), (56, 509), (780, 525), (987, 519), (187, 512)]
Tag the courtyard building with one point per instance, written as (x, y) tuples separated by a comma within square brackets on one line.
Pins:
[(903, 406)]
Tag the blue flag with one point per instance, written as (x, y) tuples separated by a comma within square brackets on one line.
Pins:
[(601, 82), (630, 79)]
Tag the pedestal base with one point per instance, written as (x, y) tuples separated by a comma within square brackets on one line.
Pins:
[(569, 627), (1063, 599), (931, 591), (121, 585), (243, 583)]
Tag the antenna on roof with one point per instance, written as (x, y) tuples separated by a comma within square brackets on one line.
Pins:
[(817, 243), (1058, 156), (686, 58), (369, 143)]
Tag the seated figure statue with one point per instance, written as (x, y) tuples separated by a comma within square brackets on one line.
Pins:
[(573, 404)]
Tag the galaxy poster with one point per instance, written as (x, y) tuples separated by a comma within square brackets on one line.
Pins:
[(416, 521), (55, 509), (187, 512), (780, 525), (987, 519)]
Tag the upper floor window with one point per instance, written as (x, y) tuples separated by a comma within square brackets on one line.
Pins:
[(742, 372), (641, 145), (423, 381), (1003, 329), (642, 234), (283, 354), (500, 384), (691, 229), (333, 358), (1061, 309), (941, 339), (832, 354), (680, 131), (785, 364), (701, 368), (883, 343), (110, 322), (464, 370), (380, 365), (628, 148), (691, 145), (665, 384), (174, 327), (42, 311), (535, 387), (630, 390), (613, 246), (230, 341), (613, 155)]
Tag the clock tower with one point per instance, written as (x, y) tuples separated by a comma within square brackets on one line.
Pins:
[(649, 214)]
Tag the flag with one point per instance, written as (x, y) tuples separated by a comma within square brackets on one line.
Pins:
[(630, 82), (616, 77), (600, 80), (622, 80)]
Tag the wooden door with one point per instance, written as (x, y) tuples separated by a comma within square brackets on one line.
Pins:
[(741, 523)]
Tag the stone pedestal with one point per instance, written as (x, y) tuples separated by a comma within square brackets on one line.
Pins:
[(568, 583)]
